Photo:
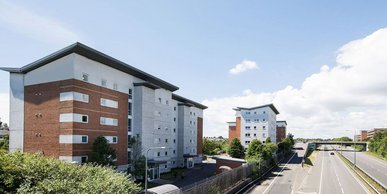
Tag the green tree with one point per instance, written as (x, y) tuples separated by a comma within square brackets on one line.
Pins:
[(254, 151), (236, 149), (102, 153), (139, 167), (290, 136), (342, 139), (378, 144), (33, 173), (4, 143), (209, 146), (268, 140)]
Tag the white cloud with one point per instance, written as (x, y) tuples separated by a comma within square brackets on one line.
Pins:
[(350, 95), (4, 107), (243, 66), (24, 21)]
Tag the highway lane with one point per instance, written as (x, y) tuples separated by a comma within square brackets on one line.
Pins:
[(328, 175), (336, 177), (373, 166)]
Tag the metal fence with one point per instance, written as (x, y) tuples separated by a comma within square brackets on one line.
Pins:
[(226, 180)]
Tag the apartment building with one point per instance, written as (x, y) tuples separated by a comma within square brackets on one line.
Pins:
[(254, 123), (62, 102), (281, 130)]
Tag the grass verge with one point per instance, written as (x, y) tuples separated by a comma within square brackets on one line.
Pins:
[(379, 188), (310, 158)]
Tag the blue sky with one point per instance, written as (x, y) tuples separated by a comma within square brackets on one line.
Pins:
[(194, 44)]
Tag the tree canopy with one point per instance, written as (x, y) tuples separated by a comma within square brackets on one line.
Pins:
[(378, 144), (102, 153), (236, 149), (212, 147), (33, 173)]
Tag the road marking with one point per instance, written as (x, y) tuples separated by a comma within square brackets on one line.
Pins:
[(322, 170), (278, 174), (357, 180), (337, 176)]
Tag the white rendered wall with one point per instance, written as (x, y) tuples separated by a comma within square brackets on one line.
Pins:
[(72, 139), (60, 69), (16, 112)]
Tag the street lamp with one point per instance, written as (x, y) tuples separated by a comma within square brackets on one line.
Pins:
[(354, 147), (146, 165)]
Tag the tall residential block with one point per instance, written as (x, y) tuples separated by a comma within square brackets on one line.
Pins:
[(62, 102), (254, 123), (281, 130)]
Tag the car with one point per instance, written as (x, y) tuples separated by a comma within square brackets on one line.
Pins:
[(332, 153)]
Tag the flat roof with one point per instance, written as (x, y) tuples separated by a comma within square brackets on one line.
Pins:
[(94, 55), (282, 122), (229, 159), (188, 102), (252, 108)]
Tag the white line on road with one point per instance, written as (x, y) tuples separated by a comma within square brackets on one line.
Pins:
[(357, 180), (322, 170), (278, 174), (338, 179)]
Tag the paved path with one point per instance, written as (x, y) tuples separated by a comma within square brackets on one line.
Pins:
[(373, 166)]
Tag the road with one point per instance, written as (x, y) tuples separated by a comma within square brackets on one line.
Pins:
[(374, 167), (328, 175)]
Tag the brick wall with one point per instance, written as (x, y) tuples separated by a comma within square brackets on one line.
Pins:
[(281, 134), (42, 126), (235, 131), (200, 135)]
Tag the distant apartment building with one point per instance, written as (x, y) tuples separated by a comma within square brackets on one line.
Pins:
[(254, 123), (62, 102), (362, 136), (371, 133), (281, 130)]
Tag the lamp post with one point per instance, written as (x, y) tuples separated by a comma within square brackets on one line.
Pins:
[(146, 166), (354, 147)]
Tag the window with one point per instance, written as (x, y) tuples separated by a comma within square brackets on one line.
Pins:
[(108, 121), (264, 112), (83, 159), (174, 108), (85, 77), (84, 139), (129, 108), (129, 124), (158, 153), (159, 100), (255, 113), (166, 166), (114, 139), (247, 120), (255, 135), (190, 113), (167, 102), (75, 96), (247, 134), (174, 140), (174, 119), (174, 130), (166, 140), (115, 86), (264, 127), (174, 151), (104, 82), (247, 127), (166, 153), (109, 103), (194, 114), (190, 122), (247, 142), (255, 127), (130, 94), (85, 118), (247, 113), (263, 120)]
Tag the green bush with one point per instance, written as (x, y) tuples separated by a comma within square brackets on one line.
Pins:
[(27, 173), (236, 150), (378, 144)]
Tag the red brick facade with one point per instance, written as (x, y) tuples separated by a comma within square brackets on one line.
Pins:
[(43, 108), (235, 131), (200, 135), (281, 134)]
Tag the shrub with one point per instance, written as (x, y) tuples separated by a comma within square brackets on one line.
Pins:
[(32, 173)]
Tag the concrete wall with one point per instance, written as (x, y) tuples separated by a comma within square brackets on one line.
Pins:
[(16, 112)]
